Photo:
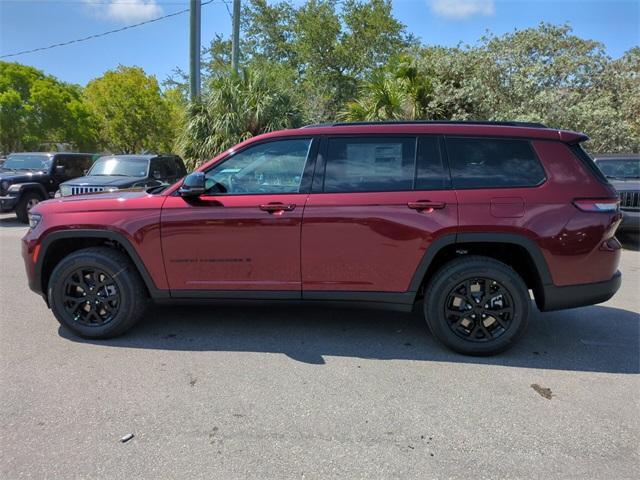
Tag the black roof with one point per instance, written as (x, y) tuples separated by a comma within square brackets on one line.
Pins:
[(432, 122)]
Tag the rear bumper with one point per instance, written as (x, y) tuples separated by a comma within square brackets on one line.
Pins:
[(558, 298)]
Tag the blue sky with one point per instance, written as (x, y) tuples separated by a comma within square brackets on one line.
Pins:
[(162, 46)]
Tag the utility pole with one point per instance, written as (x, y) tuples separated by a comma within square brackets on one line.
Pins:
[(194, 50), (235, 39)]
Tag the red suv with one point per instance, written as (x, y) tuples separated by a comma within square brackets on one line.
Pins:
[(464, 218)]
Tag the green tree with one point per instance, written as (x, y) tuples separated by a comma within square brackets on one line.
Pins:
[(36, 109), (131, 111), (325, 46)]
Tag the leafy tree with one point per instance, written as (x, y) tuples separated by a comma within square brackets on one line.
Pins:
[(36, 108), (235, 108), (326, 46), (131, 111)]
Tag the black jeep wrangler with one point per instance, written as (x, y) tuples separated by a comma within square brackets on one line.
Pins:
[(29, 178)]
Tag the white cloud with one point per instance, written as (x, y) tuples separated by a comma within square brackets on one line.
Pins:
[(461, 9), (126, 11)]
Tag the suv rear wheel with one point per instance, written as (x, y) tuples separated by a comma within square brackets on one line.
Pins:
[(477, 306), (97, 293)]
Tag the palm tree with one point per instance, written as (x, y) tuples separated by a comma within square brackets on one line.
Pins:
[(401, 93), (237, 107)]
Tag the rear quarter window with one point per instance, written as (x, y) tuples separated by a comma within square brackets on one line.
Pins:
[(493, 162)]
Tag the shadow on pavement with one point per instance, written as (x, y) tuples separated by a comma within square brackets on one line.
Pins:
[(629, 241), (593, 339), (10, 221)]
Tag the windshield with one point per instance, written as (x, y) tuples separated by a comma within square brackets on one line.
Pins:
[(27, 161), (623, 168), (121, 166)]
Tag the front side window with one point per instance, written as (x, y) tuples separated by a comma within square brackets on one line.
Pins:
[(370, 164), (490, 162), (271, 167), (74, 166), (120, 166), (163, 168)]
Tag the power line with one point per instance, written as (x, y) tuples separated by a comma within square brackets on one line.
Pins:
[(97, 2), (103, 34)]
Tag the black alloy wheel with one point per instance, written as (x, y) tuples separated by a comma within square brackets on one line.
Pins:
[(479, 309), (477, 305), (91, 297), (97, 292)]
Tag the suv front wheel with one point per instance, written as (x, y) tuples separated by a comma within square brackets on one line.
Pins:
[(97, 293), (26, 203), (477, 306)]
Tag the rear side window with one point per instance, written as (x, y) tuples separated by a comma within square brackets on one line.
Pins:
[(370, 164), (489, 163)]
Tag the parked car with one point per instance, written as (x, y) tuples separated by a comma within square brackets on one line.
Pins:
[(623, 171), (29, 178), (463, 218), (116, 172)]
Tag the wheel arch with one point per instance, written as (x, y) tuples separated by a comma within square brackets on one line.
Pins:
[(33, 187), (58, 245), (518, 251)]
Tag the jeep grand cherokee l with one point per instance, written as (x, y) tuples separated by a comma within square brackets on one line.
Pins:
[(464, 219)]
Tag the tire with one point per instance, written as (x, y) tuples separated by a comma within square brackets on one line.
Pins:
[(461, 289), (117, 295), (27, 201)]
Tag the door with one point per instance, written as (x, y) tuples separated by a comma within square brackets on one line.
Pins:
[(372, 215), (242, 238)]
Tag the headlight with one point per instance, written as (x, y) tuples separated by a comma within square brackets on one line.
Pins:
[(4, 185), (34, 220), (65, 190), (15, 187), (111, 189)]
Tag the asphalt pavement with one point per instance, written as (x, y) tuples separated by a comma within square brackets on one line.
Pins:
[(264, 392)]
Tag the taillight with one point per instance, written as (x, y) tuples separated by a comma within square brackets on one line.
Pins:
[(602, 205)]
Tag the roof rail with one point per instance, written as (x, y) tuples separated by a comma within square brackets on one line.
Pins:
[(431, 122)]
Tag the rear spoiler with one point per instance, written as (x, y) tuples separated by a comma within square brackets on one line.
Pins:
[(570, 137)]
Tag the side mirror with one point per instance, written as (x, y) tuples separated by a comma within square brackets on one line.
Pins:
[(60, 170), (193, 185)]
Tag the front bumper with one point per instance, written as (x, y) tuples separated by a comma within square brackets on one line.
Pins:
[(8, 203), (571, 296)]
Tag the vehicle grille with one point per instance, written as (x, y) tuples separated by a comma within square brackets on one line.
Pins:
[(630, 200), (83, 190)]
